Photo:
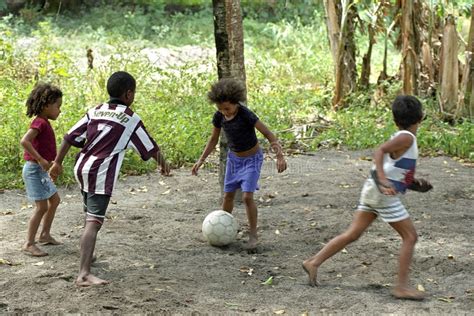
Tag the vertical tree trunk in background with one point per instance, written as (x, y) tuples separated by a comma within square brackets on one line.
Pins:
[(365, 72), (409, 55), (468, 76), (229, 37), (340, 24), (449, 70)]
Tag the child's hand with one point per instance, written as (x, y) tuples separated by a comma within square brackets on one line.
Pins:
[(281, 164), (55, 170), (45, 165), (196, 167), (165, 169)]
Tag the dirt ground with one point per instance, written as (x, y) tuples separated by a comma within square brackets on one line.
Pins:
[(152, 250)]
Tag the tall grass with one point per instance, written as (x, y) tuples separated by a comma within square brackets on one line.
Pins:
[(289, 78)]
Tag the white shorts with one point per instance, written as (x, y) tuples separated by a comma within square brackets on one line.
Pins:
[(389, 208)]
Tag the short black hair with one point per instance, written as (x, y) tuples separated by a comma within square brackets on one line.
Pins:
[(42, 95), (227, 90), (119, 83), (407, 110)]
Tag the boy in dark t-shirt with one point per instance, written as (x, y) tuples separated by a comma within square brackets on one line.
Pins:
[(245, 158)]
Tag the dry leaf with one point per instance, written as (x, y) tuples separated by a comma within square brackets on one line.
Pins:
[(420, 288), (38, 263), (166, 192), (344, 250), (277, 232), (450, 256), (279, 312)]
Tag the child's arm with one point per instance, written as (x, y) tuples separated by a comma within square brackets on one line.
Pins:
[(274, 145), (395, 147), (211, 144), (26, 143), (57, 167)]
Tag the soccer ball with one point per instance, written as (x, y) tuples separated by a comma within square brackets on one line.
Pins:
[(219, 228)]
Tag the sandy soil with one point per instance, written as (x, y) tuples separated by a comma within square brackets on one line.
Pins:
[(152, 250)]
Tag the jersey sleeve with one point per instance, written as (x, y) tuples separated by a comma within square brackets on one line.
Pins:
[(38, 124), (217, 119), (251, 117), (143, 143), (76, 136)]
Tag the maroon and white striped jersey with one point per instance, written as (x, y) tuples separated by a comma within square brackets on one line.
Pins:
[(104, 133)]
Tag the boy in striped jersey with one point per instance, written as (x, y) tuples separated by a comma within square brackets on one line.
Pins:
[(104, 133), (393, 173)]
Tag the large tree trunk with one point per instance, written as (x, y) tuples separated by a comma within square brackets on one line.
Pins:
[(409, 49), (449, 70), (228, 33), (467, 103), (340, 24)]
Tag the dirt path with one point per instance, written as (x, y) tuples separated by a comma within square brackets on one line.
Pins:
[(152, 250)]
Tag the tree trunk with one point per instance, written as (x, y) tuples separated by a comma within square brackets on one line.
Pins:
[(365, 72), (409, 49), (228, 33), (467, 102), (449, 70), (342, 48)]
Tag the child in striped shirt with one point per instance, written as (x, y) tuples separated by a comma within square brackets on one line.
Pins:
[(104, 133)]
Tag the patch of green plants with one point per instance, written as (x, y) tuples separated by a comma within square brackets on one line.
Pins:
[(289, 80)]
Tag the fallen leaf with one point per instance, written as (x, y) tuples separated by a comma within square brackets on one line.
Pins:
[(269, 281), (344, 250), (166, 192), (450, 256), (447, 299), (339, 275), (277, 232), (5, 261), (279, 312), (420, 288), (38, 263), (162, 183)]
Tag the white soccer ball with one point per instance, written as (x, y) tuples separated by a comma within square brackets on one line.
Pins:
[(220, 228)]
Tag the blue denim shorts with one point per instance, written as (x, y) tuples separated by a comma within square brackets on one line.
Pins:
[(243, 172), (38, 184)]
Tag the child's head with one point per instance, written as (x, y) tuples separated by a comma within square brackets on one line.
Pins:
[(227, 90), (121, 85), (43, 96), (407, 110)]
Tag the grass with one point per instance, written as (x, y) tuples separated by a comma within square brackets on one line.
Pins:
[(289, 78)]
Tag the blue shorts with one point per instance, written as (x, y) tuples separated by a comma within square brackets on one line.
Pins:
[(38, 184), (243, 172)]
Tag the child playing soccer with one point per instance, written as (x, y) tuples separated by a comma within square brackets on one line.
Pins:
[(245, 158), (393, 173), (39, 143), (104, 133)]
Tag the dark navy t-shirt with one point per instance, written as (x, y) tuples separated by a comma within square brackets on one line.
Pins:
[(240, 130)]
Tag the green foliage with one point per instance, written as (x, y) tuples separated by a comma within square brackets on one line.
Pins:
[(289, 79)]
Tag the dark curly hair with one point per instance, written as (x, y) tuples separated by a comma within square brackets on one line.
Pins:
[(407, 110), (227, 90), (43, 94)]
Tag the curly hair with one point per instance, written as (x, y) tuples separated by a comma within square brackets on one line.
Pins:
[(43, 94), (227, 90), (407, 110)]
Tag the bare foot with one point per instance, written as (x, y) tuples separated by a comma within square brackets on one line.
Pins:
[(252, 244), (34, 251), (407, 293), (48, 240), (89, 280), (312, 272)]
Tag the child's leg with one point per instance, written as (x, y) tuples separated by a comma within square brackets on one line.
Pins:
[(252, 215), (359, 224), (45, 236), (88, 239), (35, 220), (228, 201), (407, 231)]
